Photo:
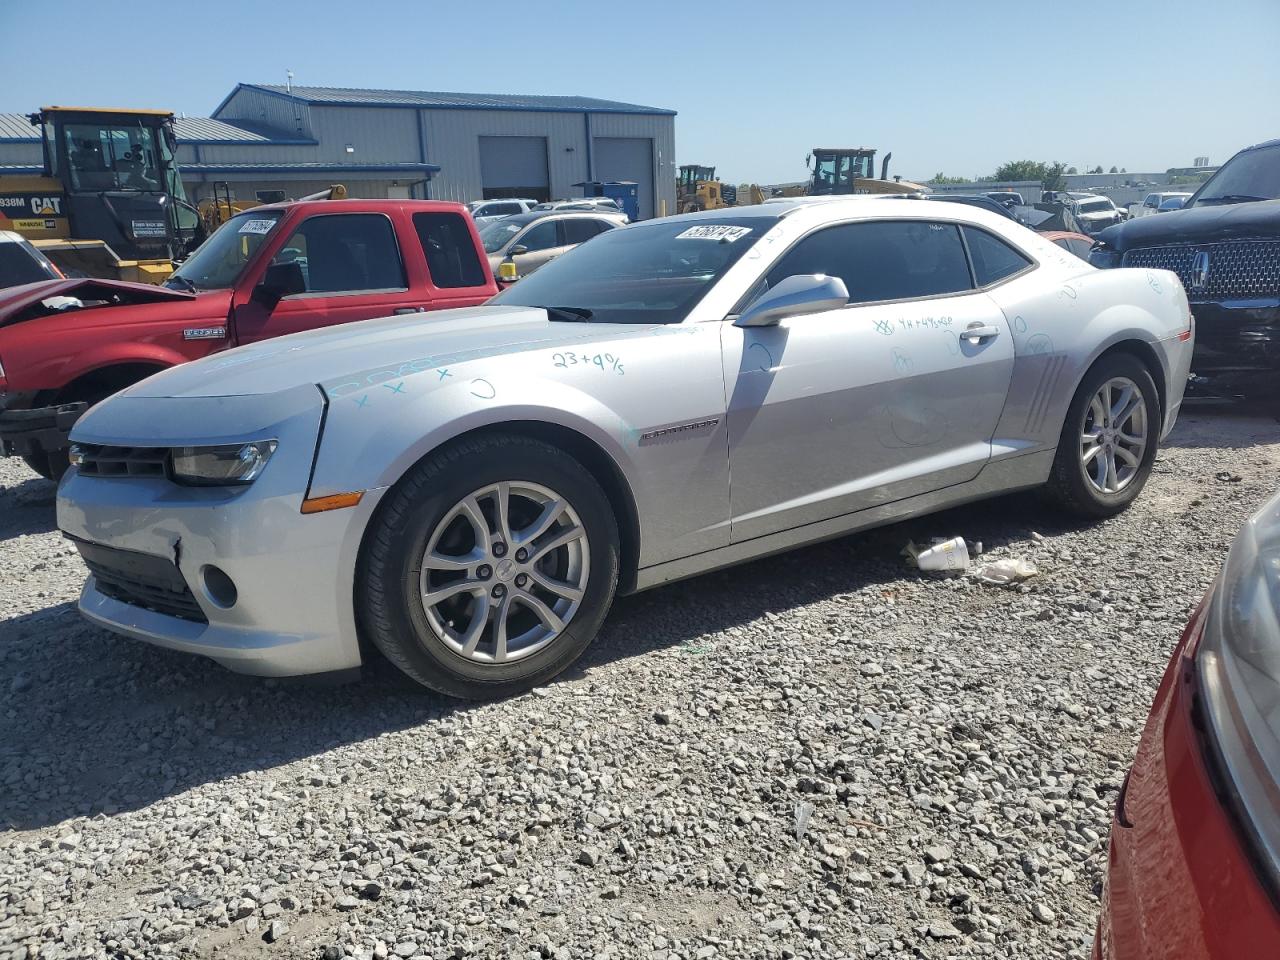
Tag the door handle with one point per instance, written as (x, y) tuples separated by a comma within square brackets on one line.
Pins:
[(403, 310), (977, 332)]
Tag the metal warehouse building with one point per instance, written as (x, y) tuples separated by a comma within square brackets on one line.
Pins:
[(406, 143)]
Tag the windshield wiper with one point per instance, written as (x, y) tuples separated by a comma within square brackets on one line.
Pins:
[(571, 314), (1232, 198), (188, 284)]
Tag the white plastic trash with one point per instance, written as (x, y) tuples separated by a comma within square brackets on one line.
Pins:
[(1002, 572), (950, 554)]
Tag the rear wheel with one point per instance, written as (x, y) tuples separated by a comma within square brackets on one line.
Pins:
[(1109, 439), (490, 567)]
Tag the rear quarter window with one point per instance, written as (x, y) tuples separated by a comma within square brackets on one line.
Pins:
[(993, 259), (450, 252)]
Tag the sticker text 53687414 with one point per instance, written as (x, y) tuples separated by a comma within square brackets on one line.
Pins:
[(722, 232)]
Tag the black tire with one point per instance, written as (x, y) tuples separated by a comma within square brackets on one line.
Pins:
[(1068, 484), (43, 464), (390, 610)]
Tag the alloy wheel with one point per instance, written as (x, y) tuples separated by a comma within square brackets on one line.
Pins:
[(504, 572), (1114, 435)]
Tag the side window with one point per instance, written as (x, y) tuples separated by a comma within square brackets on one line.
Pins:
[(1151, 201), (578, 230), (541, 236), (883, 260), (451, 253), (345, 253), (993, 259)]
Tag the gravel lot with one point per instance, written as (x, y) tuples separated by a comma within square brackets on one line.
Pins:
[(822, 755)]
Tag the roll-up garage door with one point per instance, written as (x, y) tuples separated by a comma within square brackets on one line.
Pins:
[(626, 158), (514, 167)]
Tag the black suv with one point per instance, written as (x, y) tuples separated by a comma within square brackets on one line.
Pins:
[(1225, 246)]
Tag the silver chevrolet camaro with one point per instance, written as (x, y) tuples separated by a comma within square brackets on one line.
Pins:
[(469, 490)]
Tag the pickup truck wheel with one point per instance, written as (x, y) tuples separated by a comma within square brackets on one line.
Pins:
[(1109, 440), (489, 568)]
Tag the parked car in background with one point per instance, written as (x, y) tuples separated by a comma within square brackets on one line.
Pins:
[(1007, 197), (1173, 203), (1094, 212), (470, 494), (533, 239), (486, 211), (981, 201), (592, 204), (1072, 242), (1154, 202), (1224, 244), (1194, 863), (20, 262), (277, 269)]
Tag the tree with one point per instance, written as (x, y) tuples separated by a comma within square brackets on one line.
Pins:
[(1123, 170), (941, 178), (1114, 169), (1016, 170), (1097, 169), (1072, 171), (1053, 178)]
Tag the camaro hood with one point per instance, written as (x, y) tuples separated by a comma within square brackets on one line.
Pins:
[(334, 353), (1206, 224)]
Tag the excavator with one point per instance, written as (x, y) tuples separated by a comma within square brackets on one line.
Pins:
[(109, 201), (845, 170)]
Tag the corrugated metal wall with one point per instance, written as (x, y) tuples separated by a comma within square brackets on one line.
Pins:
[(245, 189), (662, 131), (278, 113), (453, 141)]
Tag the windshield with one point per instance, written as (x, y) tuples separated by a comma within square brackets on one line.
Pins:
[(1252, 175), (494, 236), (218, 262), (123, 156), (1096, 206), (653, 273)]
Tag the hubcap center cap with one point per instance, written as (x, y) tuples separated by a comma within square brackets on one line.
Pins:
[(505, 570)]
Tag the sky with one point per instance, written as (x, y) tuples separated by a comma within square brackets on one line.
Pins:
[(949, 87)]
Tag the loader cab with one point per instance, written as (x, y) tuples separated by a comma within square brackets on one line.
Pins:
[(835, 171), (690, 174), (119, 179)]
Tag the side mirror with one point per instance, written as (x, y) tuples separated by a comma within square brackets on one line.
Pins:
[(799, 294), (280, 280), (518, 249)]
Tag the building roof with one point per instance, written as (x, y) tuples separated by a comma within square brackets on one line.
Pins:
[(357, 96), (15, 127)]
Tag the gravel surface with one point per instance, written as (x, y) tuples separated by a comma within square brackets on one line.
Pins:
[(826, 754)]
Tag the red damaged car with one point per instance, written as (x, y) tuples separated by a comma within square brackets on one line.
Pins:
[(1194, 870), (270, 271)]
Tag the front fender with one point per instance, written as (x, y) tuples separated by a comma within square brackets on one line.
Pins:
[(669, 445)]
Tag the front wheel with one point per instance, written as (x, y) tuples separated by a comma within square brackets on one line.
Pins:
[(490, 567), (1109, 439)]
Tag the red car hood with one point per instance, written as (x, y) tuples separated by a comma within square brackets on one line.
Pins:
[(24, 302)]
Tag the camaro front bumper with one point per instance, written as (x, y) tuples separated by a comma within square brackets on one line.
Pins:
[(161, 555)]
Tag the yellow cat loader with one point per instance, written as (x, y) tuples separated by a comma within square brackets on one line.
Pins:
[(698, 189), (109, 202), (845, 170)]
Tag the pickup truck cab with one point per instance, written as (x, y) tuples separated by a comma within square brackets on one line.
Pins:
[(269, 271)]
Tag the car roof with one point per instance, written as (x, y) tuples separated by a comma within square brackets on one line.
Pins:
[(356, 204), (863, 206)]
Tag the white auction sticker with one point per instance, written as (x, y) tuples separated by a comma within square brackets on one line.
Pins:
[(257, 226), (723, 232)]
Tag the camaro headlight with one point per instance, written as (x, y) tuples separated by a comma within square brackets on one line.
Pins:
[(1239, 662), (1104, 258), (231, 463)]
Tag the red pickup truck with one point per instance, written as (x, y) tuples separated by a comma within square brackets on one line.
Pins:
[(272, 270)]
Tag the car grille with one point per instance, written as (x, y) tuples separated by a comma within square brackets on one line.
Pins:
[(140, 579), (1238, 269), (109, 461)]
